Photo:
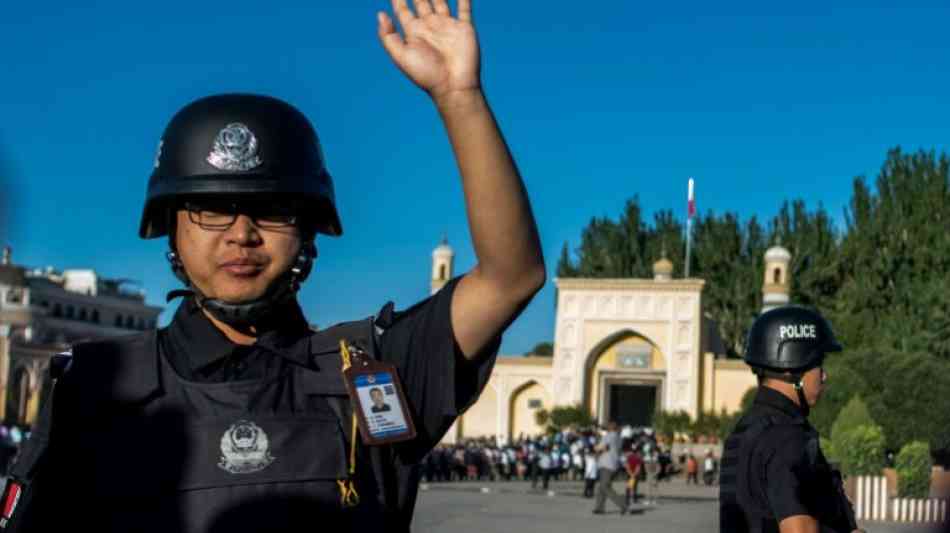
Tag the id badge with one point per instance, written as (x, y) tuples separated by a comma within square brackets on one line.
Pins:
[(378, 400)]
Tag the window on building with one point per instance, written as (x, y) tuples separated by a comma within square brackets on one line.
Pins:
[(777, 276), (95, 316), (44, 303), (118, 321), (141, 324), (15, 296), (57, 310), (534, 404), (130, 322), (442, 272), (82, 314), (70, 311)]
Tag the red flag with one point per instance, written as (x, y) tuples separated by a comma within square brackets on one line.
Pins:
[(691, 202)]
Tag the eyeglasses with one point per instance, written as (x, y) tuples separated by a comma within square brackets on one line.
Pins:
[(221, 216)]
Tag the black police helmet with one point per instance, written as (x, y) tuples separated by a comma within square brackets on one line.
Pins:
[(239, 144), (790, 338)]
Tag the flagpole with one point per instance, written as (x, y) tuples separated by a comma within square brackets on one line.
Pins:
[(691, 206)]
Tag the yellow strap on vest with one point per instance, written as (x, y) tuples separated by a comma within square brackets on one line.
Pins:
[(348, 495)]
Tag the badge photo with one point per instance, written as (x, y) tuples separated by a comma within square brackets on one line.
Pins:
[(381, 406), (376, 394)]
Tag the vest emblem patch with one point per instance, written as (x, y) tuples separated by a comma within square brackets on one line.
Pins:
[(244, 449)]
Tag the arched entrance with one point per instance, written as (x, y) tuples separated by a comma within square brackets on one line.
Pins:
[(526, 400), (624, 379)]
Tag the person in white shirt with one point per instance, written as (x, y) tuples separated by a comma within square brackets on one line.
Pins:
[(590, 472), (545, 465), (577, 465), (709, 468), (607, 464)]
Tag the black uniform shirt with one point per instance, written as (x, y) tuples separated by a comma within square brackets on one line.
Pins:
[(782, 457), (439, 382), (200, 352)]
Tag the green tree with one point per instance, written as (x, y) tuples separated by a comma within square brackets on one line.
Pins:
[(565, 267), (853, 415), (542, 348), (728, 255), (828, 448), (813, 241), (542, 417), (670, 423), (708, 424), (914, 470), (564, 417), (909, 400), (860, 451), (844, 383), (895, 257), (624, 248)]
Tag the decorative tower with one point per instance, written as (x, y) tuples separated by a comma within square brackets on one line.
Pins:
[(775, 289), (663, 269), (443, 258)]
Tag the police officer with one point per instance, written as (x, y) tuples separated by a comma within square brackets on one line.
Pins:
[(237, 417), (773, 475)]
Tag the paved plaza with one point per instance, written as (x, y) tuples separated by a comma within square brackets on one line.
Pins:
[(478, 507)]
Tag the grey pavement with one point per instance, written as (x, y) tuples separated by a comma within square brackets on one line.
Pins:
[(513, 506)]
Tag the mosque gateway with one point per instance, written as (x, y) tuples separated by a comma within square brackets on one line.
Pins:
[(624, 348)]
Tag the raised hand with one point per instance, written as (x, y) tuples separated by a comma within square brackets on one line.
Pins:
[(438, 52)]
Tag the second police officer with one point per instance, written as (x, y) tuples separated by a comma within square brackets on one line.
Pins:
[(236, 417), (774, 476)]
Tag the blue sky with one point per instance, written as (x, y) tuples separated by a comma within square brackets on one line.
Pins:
[(758, 101)]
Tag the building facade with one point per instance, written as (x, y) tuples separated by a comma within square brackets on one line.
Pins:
[(42, 312), (624, 349)]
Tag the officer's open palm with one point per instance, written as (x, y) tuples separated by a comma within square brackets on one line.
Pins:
[(437, 51)]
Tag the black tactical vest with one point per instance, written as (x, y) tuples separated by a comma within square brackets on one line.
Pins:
[(744, 510), (146, 450)]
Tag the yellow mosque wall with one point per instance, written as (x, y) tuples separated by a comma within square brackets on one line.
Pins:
[(480, 419), (523, 412)]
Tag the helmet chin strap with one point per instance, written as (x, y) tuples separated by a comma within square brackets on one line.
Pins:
[(800, 391), (797, 381), (242, 315)]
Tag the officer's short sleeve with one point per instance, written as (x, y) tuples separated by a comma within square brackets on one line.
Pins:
[(786, 476), (439, 382)]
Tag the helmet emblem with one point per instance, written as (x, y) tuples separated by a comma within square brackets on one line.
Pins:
[(158, 152), (244, 449), (235, 148)]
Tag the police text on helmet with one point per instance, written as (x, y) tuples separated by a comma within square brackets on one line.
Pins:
[(798, 331)]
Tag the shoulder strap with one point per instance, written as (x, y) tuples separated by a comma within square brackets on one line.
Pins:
[(18, 488), (366, 331)]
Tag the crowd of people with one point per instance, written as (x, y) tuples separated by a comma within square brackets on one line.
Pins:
[(568, 456)]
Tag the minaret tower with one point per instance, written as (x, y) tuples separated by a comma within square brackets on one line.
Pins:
[(443, 259), (776, 288)]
